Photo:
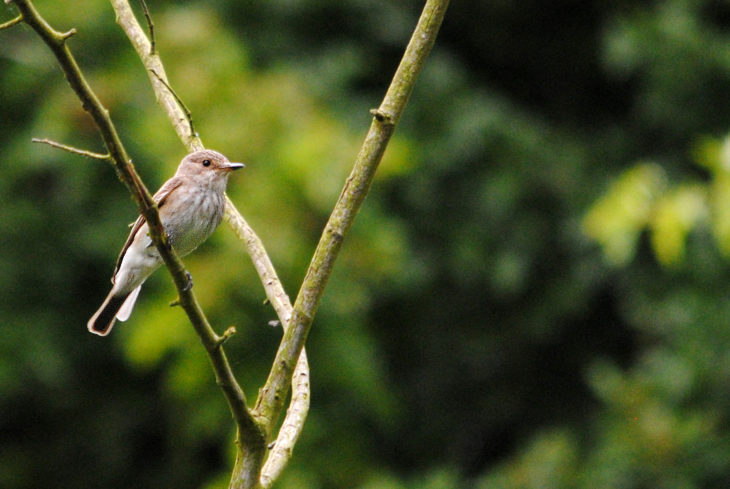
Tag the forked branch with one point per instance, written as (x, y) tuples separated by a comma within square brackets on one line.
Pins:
[(290, 365), (56, 41), (277, 297)]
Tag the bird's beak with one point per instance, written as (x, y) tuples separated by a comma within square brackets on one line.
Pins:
[(234, 166)]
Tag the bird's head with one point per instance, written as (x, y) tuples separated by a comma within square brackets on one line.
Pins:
[(207, 163)]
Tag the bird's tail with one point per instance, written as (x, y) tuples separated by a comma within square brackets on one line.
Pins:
[(114, 307)]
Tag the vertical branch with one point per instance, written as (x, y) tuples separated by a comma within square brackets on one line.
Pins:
[(272, 396)]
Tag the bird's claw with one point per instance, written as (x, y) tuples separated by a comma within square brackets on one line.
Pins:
[(190, 282)]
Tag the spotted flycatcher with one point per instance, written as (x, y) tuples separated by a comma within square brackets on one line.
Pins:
[(191, 206)]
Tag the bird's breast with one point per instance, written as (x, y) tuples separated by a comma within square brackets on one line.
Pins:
[(199, 214)]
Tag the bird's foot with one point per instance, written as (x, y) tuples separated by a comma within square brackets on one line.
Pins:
[(190, 281)]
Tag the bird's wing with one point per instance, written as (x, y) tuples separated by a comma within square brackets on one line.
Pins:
[(160, 197)]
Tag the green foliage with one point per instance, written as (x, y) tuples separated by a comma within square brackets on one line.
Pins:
[(642, 199), (617, 220), (533, 295)]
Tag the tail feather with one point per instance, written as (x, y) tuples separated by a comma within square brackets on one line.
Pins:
[(126, 310), (102, 321)]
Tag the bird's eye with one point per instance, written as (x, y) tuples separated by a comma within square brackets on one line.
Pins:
[(206, 162)]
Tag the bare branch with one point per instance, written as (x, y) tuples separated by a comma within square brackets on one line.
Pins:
[(271, 398), (188, 114), (227, 334), (275, 293), (292, 426), (71, 149), (247, 427), (246, 472), (12, 22), (296, 415), (156, 72)]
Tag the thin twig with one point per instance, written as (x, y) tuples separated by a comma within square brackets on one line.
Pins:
[(56, 41), (12, 22), (227, 335), (68, 33), (292, 425), (128, 22), (188, 114), (150, 25), (271, 397), (71, 149)]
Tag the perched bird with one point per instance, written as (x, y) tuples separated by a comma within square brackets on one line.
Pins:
[(191, 206)]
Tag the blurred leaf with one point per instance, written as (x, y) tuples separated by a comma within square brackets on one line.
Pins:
[(617, 219), (674, 216), (549, 461)]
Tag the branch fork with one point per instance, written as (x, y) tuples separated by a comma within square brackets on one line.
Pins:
[(253, 468)]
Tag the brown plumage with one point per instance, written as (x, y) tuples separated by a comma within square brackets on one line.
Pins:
[(191, 206)]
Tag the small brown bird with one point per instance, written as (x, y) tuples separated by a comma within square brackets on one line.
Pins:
[(191, 206)]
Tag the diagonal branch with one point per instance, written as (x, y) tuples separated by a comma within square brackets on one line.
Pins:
[(156, 72), (271, 398), (296, 415), (177, 112), (180, 103), (11, 22), (262, 263), (297, 320), (56, 41)]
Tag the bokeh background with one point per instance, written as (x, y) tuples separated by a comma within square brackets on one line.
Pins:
[(534, 295)]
